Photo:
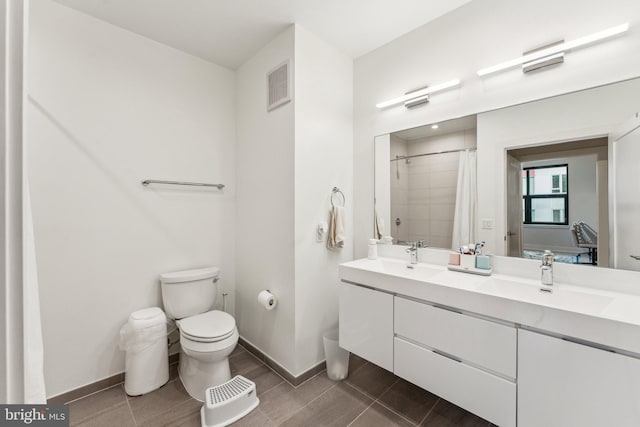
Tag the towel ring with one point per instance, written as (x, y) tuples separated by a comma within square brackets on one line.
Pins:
[(335, 191)]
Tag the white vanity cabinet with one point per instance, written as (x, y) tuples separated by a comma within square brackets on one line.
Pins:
[(461, 358), (366, 324), (496, 346), (467, 360), (562, 383)]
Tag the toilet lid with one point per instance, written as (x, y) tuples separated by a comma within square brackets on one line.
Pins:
[(210, 326)]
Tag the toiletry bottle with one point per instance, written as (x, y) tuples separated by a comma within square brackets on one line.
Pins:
[(373, 249)]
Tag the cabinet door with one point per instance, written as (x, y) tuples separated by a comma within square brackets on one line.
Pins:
[(366, 324), (564, 384)]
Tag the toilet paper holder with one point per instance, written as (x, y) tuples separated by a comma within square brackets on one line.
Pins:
[(267, 299)]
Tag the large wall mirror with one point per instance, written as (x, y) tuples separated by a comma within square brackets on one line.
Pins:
[(567, 179)]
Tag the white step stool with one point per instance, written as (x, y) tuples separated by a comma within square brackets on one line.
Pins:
[(228, 402)]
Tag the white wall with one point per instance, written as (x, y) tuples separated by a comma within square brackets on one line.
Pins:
[(476, 35), (289, 159), (565, 118), (323, 159), (265, 205), (107, 109)]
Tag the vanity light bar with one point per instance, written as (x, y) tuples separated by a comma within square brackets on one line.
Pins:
[(554, 50), (546, 61), (419, 93)]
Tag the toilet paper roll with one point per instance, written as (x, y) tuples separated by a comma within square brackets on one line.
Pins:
[(267, 300)]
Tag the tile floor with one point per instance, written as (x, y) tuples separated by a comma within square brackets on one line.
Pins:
[(369, 397)]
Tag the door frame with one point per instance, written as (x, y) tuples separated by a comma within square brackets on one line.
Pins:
[(507, 246), (623, 130)]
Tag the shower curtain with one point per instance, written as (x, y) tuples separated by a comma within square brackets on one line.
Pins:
[(22, 371), (34, 389), (464, 221)]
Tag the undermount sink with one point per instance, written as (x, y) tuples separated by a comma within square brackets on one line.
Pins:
[(404, 268), (624, 309), (561, 298), (399, 267)]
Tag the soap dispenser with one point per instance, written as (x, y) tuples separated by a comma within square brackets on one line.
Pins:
[(373, 249)]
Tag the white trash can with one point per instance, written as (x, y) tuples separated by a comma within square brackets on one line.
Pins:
[(144, 338), (337, 357)]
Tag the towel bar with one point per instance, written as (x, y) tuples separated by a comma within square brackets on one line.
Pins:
[(197, 184)]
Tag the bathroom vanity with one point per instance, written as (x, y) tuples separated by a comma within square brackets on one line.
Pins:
[(497, 346)]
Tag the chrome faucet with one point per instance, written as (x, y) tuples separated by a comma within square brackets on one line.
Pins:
[(413, 251), (546, 270)]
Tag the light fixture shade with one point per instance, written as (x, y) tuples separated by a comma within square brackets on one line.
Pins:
[(419, 93), (546, 61), (559, 48)]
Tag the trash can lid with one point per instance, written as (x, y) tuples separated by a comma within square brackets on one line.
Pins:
[(147, 313), (147, 317)]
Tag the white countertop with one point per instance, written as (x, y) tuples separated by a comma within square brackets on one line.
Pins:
[(599, 316)]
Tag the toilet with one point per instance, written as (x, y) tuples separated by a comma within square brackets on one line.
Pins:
[(207, 336)]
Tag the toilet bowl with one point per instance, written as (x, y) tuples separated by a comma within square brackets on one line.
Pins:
[(206, 342), (207, 336)]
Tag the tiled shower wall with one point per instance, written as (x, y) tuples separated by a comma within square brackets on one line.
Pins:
[(399, 176), (424, 195)]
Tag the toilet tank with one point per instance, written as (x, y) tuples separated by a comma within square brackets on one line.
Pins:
[(189, 292)]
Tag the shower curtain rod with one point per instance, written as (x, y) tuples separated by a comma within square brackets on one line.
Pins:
[(432, 154)]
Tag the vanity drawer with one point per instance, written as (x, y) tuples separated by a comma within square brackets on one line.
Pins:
[(488, 396), (479, 342)]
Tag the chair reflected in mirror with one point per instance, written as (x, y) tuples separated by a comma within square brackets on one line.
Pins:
[(584, 236)]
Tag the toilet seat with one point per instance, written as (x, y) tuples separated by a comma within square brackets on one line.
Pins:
[(208, 327)]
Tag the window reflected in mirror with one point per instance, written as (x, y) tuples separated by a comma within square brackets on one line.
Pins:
[(545, 198)]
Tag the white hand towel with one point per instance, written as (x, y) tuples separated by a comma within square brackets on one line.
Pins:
[(379, 224), (340, 233), (336, 236)]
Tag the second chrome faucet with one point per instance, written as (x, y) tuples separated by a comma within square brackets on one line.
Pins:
[(546, 272), (413, 252)]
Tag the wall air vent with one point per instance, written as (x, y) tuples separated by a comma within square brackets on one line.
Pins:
[(278, 87)]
